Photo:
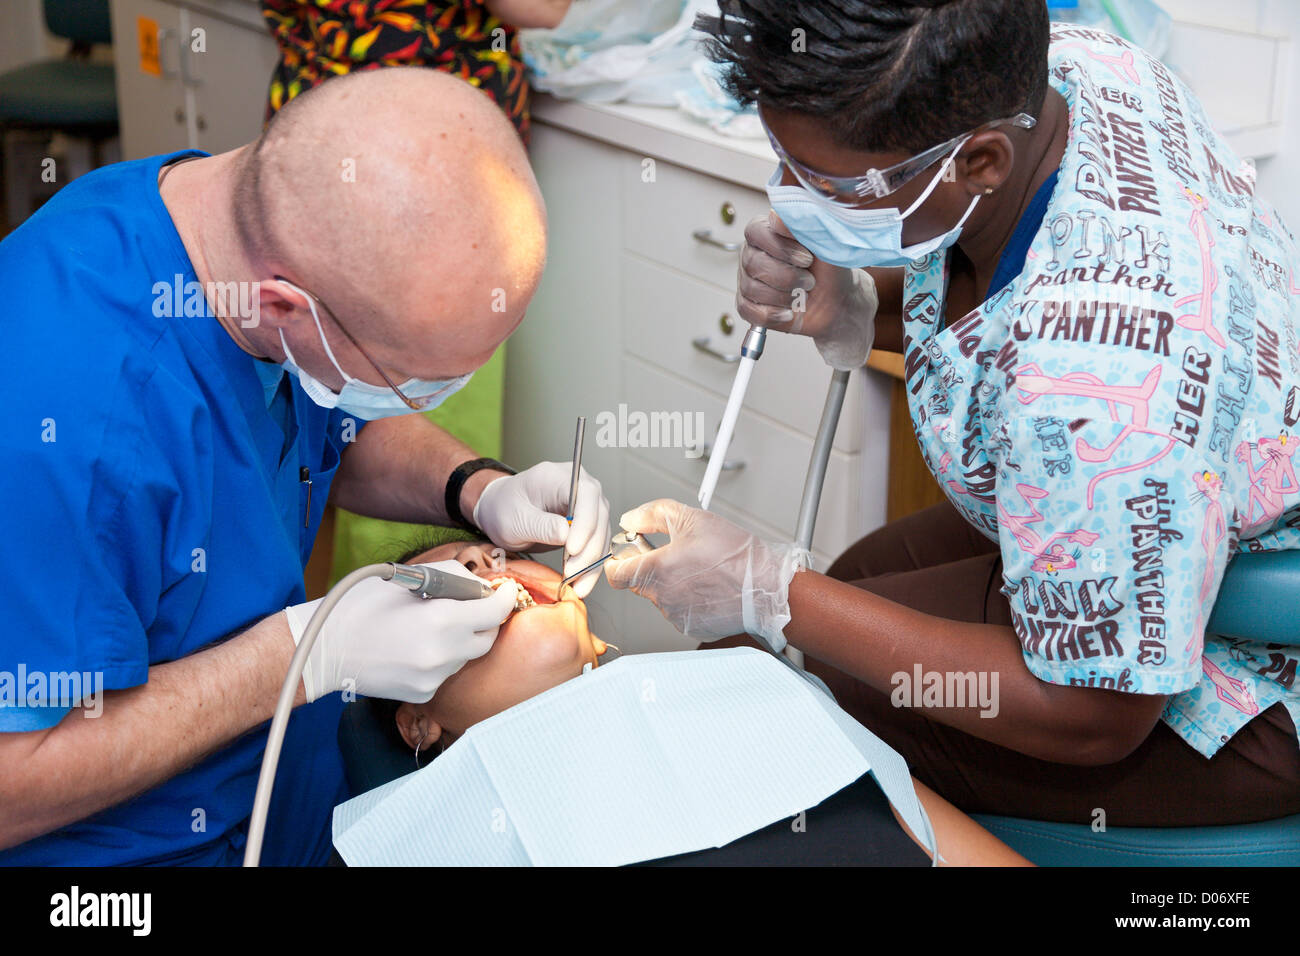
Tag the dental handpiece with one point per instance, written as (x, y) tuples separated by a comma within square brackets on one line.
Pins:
[(430, 583)]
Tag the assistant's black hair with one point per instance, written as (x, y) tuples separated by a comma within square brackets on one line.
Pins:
[(885, 75)]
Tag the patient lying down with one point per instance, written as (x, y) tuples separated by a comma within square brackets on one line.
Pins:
[(550, 642), (536, 649)]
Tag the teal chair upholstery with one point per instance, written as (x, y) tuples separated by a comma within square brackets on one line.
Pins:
[(60, 94), (1257, 600), (372, 754), (70, 94), (83, 21)]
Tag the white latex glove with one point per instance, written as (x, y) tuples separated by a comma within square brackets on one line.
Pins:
[(383, 641), (523, 511), (712, 579), (839, 307)]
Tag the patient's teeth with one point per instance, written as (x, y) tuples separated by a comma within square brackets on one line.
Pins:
[(522, 598)]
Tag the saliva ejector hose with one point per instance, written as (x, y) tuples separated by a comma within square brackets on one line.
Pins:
[(422, 581)]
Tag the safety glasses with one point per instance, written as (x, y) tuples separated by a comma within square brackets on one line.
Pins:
[(878, 183), (415, 404)]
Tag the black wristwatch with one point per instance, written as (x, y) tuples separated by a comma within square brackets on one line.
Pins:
[(456, 483)]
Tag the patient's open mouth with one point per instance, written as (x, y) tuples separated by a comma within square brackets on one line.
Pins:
[(531, 593)]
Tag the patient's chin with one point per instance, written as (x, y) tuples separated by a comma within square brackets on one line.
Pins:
[(537, 648), (545, 640)]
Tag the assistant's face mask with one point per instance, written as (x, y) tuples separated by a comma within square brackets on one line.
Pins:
[(361, 398), (858, 238)]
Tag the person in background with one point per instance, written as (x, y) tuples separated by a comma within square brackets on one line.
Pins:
[(476, 40)]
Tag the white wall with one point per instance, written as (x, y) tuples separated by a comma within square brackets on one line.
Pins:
[(1279, 174)]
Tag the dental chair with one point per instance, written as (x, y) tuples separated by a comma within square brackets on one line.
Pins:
[(1257, 600), (1253, 602), (73, 95)]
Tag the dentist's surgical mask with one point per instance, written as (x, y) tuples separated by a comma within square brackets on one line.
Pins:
[(361, 398), (858, 238)]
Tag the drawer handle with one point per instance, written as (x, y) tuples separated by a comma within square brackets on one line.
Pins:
[(706, 236), (702, 345), (727, 465)]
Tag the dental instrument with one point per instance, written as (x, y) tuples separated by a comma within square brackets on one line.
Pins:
[(816, 477), (577, 574), (426, 583), (626, 544), (751, 349), (573, 480), (577, 467)]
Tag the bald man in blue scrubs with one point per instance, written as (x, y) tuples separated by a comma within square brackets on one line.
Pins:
[(199, 351)]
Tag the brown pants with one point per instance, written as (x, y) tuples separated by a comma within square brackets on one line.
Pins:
[(935, 562)]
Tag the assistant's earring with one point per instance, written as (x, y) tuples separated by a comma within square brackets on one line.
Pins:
[(989, 190), (418, 743)]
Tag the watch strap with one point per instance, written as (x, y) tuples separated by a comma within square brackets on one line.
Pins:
[(456, 483)]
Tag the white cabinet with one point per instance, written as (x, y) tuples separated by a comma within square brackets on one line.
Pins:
[(646, 216), (152, 108), (229, 78), (214, 61)]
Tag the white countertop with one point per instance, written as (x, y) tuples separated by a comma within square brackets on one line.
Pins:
[(245, 12), (663, 133)]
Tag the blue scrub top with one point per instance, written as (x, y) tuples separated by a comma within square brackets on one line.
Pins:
[(152, 473)]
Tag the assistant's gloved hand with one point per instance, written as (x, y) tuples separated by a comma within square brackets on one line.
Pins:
[(712, 579), (526, 510), (390, 643), (839, 304)]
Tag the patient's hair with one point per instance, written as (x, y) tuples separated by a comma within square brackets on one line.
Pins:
[(886, 75)]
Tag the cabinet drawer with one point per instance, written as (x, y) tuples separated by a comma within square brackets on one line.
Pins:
[(775, 460), (665, 312), (662, 215)]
